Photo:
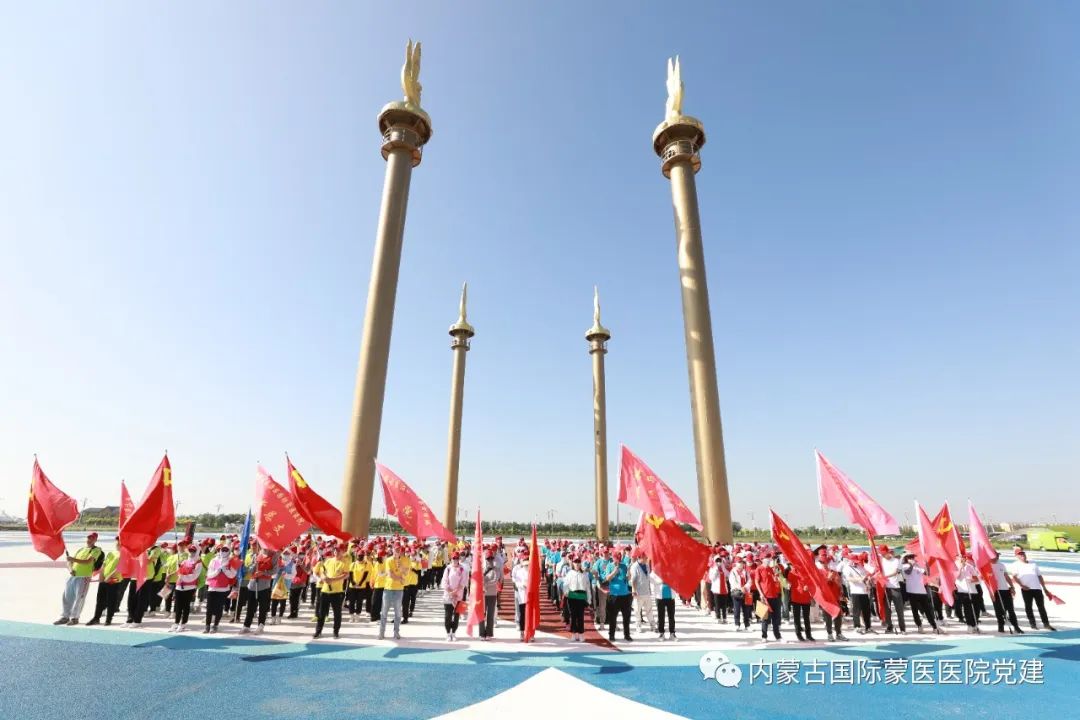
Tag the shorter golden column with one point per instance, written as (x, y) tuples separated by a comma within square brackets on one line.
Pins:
[(462, 332), (598, 336)]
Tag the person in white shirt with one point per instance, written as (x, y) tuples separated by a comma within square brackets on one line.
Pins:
[(915, 582), (966, 577), (520, 576), (858, 579), (578, 587), (894, 596), (1032, 587), (453, 590), (831, 571), (641, 589), (718, 586), (740, 583), (1003, 598)]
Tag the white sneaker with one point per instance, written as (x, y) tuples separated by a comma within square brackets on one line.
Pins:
[(244, 630), (673, 638), (662, 637), (174, 628), (453, 637), (449, 637), (260, 630), (183, 628)]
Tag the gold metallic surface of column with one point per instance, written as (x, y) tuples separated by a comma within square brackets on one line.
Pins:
[(597, 336), (462, 332), (677, 141), (405, 129)]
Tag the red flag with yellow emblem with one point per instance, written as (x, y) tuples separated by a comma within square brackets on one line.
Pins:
[(313, 506), (802, 561), (154, 516), (677, 558), (278, 521), (411, 512), (640, 487)]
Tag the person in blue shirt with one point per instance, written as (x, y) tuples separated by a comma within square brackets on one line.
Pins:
[(615, 574)]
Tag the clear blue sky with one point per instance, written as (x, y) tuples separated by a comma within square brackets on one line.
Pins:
[(188, 200)]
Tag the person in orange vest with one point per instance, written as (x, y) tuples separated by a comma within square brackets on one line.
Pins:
[(187, 581)]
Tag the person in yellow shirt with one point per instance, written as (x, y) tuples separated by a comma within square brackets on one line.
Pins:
[(359, 586), (396, 569), (378, 584), (412, 587), (335, 571)]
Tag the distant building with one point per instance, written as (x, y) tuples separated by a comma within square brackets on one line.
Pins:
[(107, 511)]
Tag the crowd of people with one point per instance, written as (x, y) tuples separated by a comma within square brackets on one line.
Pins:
[(748, 584)]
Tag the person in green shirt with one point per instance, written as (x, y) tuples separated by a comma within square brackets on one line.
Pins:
[(82, 566), (110, 588)]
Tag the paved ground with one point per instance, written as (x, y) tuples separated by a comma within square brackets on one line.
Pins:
[(110, 672)]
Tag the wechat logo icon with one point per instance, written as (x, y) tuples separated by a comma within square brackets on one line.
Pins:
[(715, 665)]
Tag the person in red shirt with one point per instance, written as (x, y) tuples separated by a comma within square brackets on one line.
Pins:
[(800, 604), (768, 588)]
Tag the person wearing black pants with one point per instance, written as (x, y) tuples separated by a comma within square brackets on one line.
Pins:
[(665, 610), (138, 602), (335, 573), (1028, 576), (182, 606), (259, 599), (966, 577), (799, 596), (215, 608), (858, 585), (614, 573), (619, 605), (1003, 598), (767, 585)]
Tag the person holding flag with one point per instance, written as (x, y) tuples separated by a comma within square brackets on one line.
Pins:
[(220, 579), (453, 590), (915, 582), (1003, 596), (82, 565), (1032, 586), (110, 588)]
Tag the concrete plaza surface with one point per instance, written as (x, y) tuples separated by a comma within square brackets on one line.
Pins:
[(284, 672)]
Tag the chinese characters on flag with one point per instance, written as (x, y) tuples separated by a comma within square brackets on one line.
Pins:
[(411, 512), (640, 487), (278, 522)]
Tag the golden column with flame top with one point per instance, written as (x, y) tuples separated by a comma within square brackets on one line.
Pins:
[(598, 336), (405, 128), (678, 140), (462, 332)]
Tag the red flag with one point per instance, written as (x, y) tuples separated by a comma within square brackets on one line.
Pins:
[(48, 512), (677, 558), (803, 562), (532, 590), (640, 487), (277, 521), (982, 551), (411, 512), (939, 561), (154, 515), (476, 580), (837, 490), (948, 532), (128, 565), (315, 509)]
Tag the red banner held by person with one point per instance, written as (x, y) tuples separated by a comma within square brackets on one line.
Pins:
[(803, 563), (640, 487), (278, 521), (48, 512), (532, 590), (982, 550), (411, 512), (837, 490), (313, 506), (677, 558), (154, 516), (939, 562), (476, 580)]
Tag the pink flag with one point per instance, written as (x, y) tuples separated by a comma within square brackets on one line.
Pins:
[(476, 580), (411, 512), (640, 487), (939, 561), (982, 551), (837, 490)]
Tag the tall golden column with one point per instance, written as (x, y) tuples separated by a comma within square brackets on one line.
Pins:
[(678, 141), (597, 336), (462, 332), (405, 128)]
